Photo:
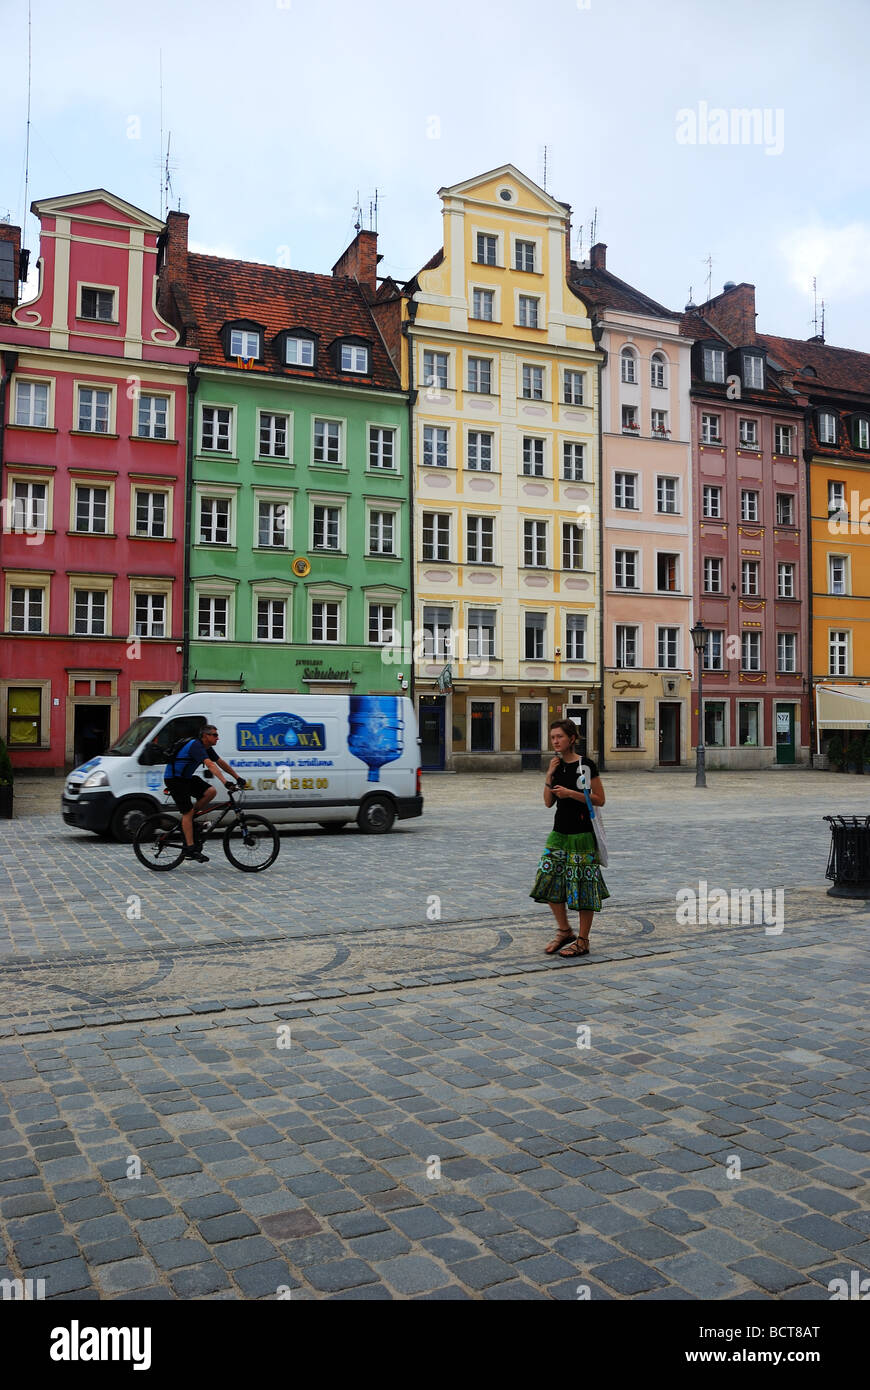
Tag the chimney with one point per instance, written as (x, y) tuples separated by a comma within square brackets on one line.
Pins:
[(733, 312), (173, 265), (360, 261), (598, 256), (10, 269)]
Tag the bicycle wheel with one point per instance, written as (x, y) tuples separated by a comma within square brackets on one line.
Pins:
[(251, 844), (159, 842)]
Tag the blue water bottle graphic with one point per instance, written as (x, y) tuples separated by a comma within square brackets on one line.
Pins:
[(375, 731)]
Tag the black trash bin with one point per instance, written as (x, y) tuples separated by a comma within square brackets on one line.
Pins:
[(849, 860)]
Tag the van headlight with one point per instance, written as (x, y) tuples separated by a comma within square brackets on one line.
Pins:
[(96, 779)]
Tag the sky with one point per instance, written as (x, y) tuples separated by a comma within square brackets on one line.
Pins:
[(283, 112)]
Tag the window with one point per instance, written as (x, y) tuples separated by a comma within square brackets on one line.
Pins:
[(437, 633), (480, 540), (625, 491), (712, 500), (527, 316), (573, 460), (26, 608), (836, 497), (92, 509), (572, 546), (714, 642), (668, 573), (244, 343), (31, 404), (785, 509), (479, 454), (668, 648), (712, 575), (838, 653), (326, 530), (836, 574), (533, 456), (29, 506), (862, 434), (480, 375), (273, 435), (151, 417), (214, 520), (667, 497), (435, 369), (483, 305), (626, 646), (748, 504), (98, 304), (327, 441), (753, 372), (659, 422), (657, 365), (212, 616), (747, 725), (271, 619), (482, 726), (149, 615), (749, 572), (299, 352), (574, 387), (94, 410), (785, 580), (533, 383), (714, 723), (575, 637), (827, 428), (382, 533), (524, 255), (354, 357), (24, 722), (535, 636), (630, 419), (481, 632), (436, 535), (382, 624), (382, 447), (626, 569), (325, 621), (535, 544), (750, 651), (782, 439), (714, 364), (627, 724), (89, 613), (628, 366), (272, 524), (150, 514), (710, 429), (786, 651), (487, 249), (435, 443), (748, 431), (216, 429)]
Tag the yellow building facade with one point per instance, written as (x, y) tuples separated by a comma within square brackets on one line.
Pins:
[(506, 465)]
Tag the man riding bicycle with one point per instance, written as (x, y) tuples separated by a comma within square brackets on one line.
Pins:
[(186, 789)]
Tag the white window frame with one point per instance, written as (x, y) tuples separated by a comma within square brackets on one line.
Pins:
[(387, 636), (489, 237), (535, 466), (750, 578), (840, 643), (711, 492), (827, 427), (432, 442), (149, 589), (836, 496), (711, 426), (29, 522), (678, 571), (474, 547), (573, 542), (784, 641), (658, 423), (246, 334), (31, 581), (330, 421), (713, 652), (713, 569), (269, 498), (31, 383), (212, 596), (790, 498), (151, 490), (382, 508), (621, 491), (630, 419), (491, 296), (661, 495), (622, 642), (355, 357), (105, 388), (628, 364), (658, 368), (785, 577), (303, 342), (270, 599), (206, 495), (273, 416), (753, 371), (328, 503), (782, 434), (474, 374), (841, 562), (324, 596), (92, 485), (536, 628), (536, 540), (570, 377), (676, 664), (625, 560), (749, 505), (747, 427), (581, 631), (230, 450), (436, 380), (529, 311), (573, 450), (93, 587), (113, 290), (714, 364), (442, 632), (750, 650), (475, 630), (533, 382), (526, 241), (376, 435), (150, 399), (478, 466), (438, 530)]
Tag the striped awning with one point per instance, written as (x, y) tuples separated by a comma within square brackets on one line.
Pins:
[(843, 706)]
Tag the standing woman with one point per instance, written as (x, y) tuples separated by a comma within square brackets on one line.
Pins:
[(568, 875)]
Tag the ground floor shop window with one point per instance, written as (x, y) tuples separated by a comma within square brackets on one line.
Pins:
[(627, 724), (482, 726), (714, 723), (748, 726)]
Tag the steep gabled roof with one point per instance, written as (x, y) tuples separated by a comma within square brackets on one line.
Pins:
[(835, 369), (604, 290)]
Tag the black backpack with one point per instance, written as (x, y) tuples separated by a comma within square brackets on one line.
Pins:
[(176, 749)]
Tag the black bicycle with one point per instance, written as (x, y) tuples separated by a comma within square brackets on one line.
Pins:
[(250, 842)]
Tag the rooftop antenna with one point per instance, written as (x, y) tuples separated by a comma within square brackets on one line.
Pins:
[(823, 320), (708, 261), (375, 228), (580, 243), (593, 235), (544, 171), (815, 310), (357, 207), (159, 156), (27, 131)]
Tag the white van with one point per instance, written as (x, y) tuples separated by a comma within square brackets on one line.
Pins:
[(323, 758)]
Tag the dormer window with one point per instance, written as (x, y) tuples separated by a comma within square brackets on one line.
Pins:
[(714, 364), (242, 340), (298, 352), (354, 358), (98, 304), (753, 371), (827, 427), (244, 343), (861, 433)]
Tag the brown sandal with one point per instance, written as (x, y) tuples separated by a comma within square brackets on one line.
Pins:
[(579, 946), (558, 942)]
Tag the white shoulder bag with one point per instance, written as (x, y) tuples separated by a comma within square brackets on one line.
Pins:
[(595, 817)]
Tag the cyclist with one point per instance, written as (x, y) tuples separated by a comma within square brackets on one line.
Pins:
[(185, 789)]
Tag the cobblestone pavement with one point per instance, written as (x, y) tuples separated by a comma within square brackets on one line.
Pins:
[(263, 1084)]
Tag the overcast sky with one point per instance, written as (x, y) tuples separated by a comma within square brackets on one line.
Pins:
[(281, 110)]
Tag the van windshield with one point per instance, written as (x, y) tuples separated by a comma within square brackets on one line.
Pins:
[(129, 742)]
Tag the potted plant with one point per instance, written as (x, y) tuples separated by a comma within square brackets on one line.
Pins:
[(6, 778), (836, 753)]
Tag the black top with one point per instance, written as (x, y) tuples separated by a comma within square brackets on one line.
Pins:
[(572, 816)]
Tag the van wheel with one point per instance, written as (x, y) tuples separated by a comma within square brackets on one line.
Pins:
[(332, 825), (376, 815), (127, 819)]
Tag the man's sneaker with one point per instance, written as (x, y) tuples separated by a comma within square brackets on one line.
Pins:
[(193, 852)]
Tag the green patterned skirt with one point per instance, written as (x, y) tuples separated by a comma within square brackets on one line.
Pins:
[(569, 873)]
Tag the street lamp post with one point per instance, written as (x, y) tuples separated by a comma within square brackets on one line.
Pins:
[(699, 635)]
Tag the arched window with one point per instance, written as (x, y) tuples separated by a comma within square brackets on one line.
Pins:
[(628, 360), (657, 369)]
